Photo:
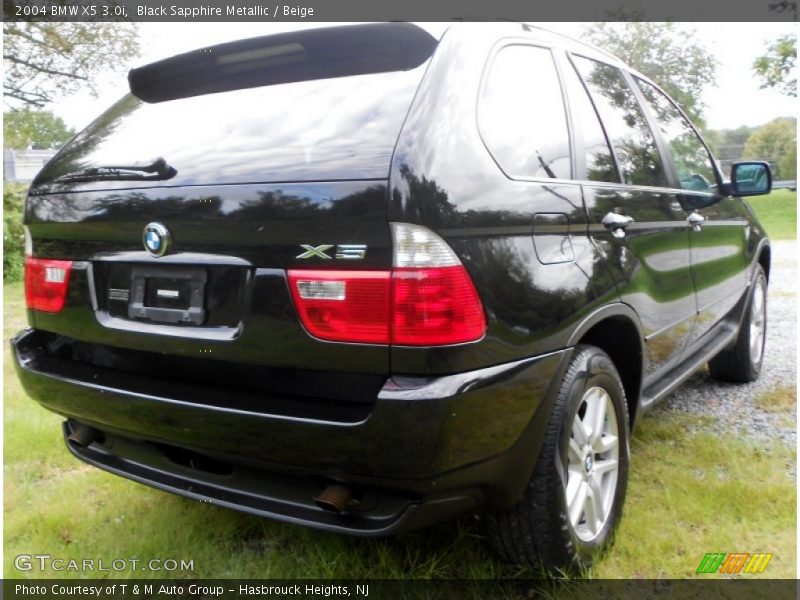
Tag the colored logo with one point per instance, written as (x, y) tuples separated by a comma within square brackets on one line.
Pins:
[(156, 239), (734, 562)]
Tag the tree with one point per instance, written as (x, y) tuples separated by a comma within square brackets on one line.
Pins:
[(776, 68), (774, 143), (39, 129), (44, 61), (787, 166), (667, 53), (728, 144)]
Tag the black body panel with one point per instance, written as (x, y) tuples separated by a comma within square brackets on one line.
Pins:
[(233, 232), (444, 178)]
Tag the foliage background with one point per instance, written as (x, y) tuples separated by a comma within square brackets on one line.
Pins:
[(45, 61), (13, 237), (38, 129)]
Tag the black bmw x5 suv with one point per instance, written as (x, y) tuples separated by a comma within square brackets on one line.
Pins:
[(365, 278)]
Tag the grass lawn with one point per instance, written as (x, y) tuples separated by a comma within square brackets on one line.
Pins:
[(778, 213), (689, 493)]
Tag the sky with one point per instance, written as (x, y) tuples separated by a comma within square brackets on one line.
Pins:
[(736, 100)]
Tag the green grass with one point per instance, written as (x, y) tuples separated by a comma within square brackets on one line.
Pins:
[(689, 493), (782, 399), (694, 493), (778, 213)]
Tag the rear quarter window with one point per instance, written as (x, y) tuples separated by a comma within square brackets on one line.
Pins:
[(521, 114)]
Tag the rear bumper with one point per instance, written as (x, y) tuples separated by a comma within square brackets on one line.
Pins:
[(274, 495), (426, 448)]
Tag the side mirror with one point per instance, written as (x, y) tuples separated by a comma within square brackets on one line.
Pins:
[(750, 178)]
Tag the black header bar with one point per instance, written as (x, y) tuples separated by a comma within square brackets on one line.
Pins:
[(399, 10), (380, 589)]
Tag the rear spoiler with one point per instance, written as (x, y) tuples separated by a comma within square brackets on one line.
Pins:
[(283, 58)]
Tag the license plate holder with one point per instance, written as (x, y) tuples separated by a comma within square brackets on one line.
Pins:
[(171, 295)]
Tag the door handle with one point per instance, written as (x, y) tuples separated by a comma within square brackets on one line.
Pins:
[(695, 221), (617, 223)]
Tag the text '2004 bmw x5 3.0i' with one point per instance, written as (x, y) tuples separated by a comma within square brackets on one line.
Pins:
[(364, 278)]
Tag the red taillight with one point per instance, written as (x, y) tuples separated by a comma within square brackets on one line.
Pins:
[(343, 306), (405, 306), (427, 299), (46, 283), (434, 307)]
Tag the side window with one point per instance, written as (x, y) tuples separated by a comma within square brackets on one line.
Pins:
[(692, 161), (598, 160), (521, 114), (625, 123)]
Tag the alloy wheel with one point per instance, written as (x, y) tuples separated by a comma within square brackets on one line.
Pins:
[(758, 320), (592, 464)]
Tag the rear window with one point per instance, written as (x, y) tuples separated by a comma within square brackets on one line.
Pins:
[(332, 126)]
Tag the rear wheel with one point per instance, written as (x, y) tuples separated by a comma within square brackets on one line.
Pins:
[(742, 362), (574, 500)]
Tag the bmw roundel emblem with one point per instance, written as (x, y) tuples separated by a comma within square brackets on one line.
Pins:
[(156, 239)]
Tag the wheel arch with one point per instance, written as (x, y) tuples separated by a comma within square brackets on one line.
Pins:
[(615, 329), (764, 258)]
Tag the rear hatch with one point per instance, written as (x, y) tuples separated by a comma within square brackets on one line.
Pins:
[(236, 163)]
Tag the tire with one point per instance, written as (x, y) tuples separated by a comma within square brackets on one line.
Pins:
[(741, 363), (540, 531)]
